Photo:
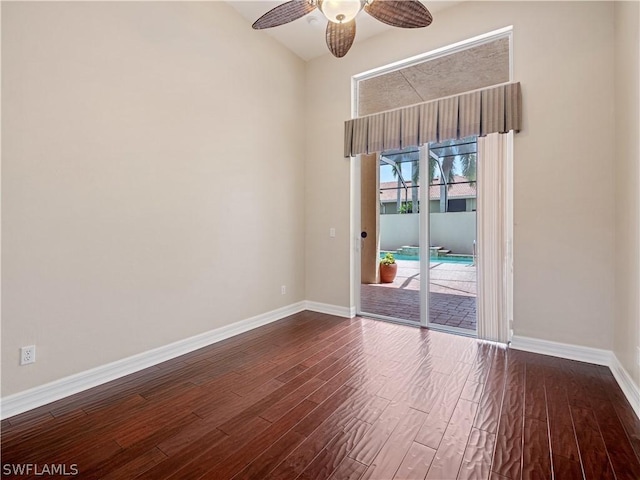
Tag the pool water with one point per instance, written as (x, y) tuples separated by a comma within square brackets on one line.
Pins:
[(461, 259)]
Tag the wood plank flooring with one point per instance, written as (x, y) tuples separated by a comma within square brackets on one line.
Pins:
[(320, 397)]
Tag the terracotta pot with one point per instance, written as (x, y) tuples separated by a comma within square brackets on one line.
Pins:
[(388, 272)]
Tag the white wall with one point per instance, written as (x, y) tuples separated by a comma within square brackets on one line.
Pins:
[(398, 230), (454, 231), (124, 124), (563, 55), (627, 167)]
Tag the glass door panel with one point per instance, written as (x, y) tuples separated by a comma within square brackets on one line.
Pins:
[(395, 238), (452, 235)]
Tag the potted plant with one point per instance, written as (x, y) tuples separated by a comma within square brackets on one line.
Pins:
[(388, 268)]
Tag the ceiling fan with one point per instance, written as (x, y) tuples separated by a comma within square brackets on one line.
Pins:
[(341, 28)]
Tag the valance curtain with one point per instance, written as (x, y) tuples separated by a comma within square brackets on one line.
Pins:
[(490, 110)]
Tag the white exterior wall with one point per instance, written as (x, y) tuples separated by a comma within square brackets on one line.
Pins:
[(398, 230), (454, 231)]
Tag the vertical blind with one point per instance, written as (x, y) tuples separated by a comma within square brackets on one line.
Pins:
[(491, 110), (493, 252)]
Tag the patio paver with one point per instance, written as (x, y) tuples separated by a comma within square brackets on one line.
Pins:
[(452, 294)]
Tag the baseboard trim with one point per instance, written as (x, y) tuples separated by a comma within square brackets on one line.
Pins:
[(628, 386), (584, 354), (58, 389), (562, 350), (347, 312)]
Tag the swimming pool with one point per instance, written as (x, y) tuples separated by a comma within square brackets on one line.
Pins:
[(463, 259)]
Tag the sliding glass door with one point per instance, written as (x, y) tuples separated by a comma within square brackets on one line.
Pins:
[(391, 252), (427, 235), (452, 284)]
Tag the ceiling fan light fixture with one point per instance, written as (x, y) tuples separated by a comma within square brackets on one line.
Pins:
[(340, 11), (341, 14)]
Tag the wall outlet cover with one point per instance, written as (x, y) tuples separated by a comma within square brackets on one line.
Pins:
[(27, 354)]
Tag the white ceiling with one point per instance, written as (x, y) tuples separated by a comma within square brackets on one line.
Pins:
[(306, 36)]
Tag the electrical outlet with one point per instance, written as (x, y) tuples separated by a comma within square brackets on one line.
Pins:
[(27, 355), (283, 289), (638, 356), (332, 232)]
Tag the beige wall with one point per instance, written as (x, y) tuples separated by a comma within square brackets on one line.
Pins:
[(627, 167), (123, 126), (563, 55)]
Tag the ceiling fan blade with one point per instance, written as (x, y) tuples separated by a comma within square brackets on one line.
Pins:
[(340, 37), (285, 13), (400, 13)]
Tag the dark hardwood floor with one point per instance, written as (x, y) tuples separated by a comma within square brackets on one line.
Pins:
[(320, 397)]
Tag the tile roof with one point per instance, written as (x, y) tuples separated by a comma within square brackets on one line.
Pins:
[(460, 189)]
